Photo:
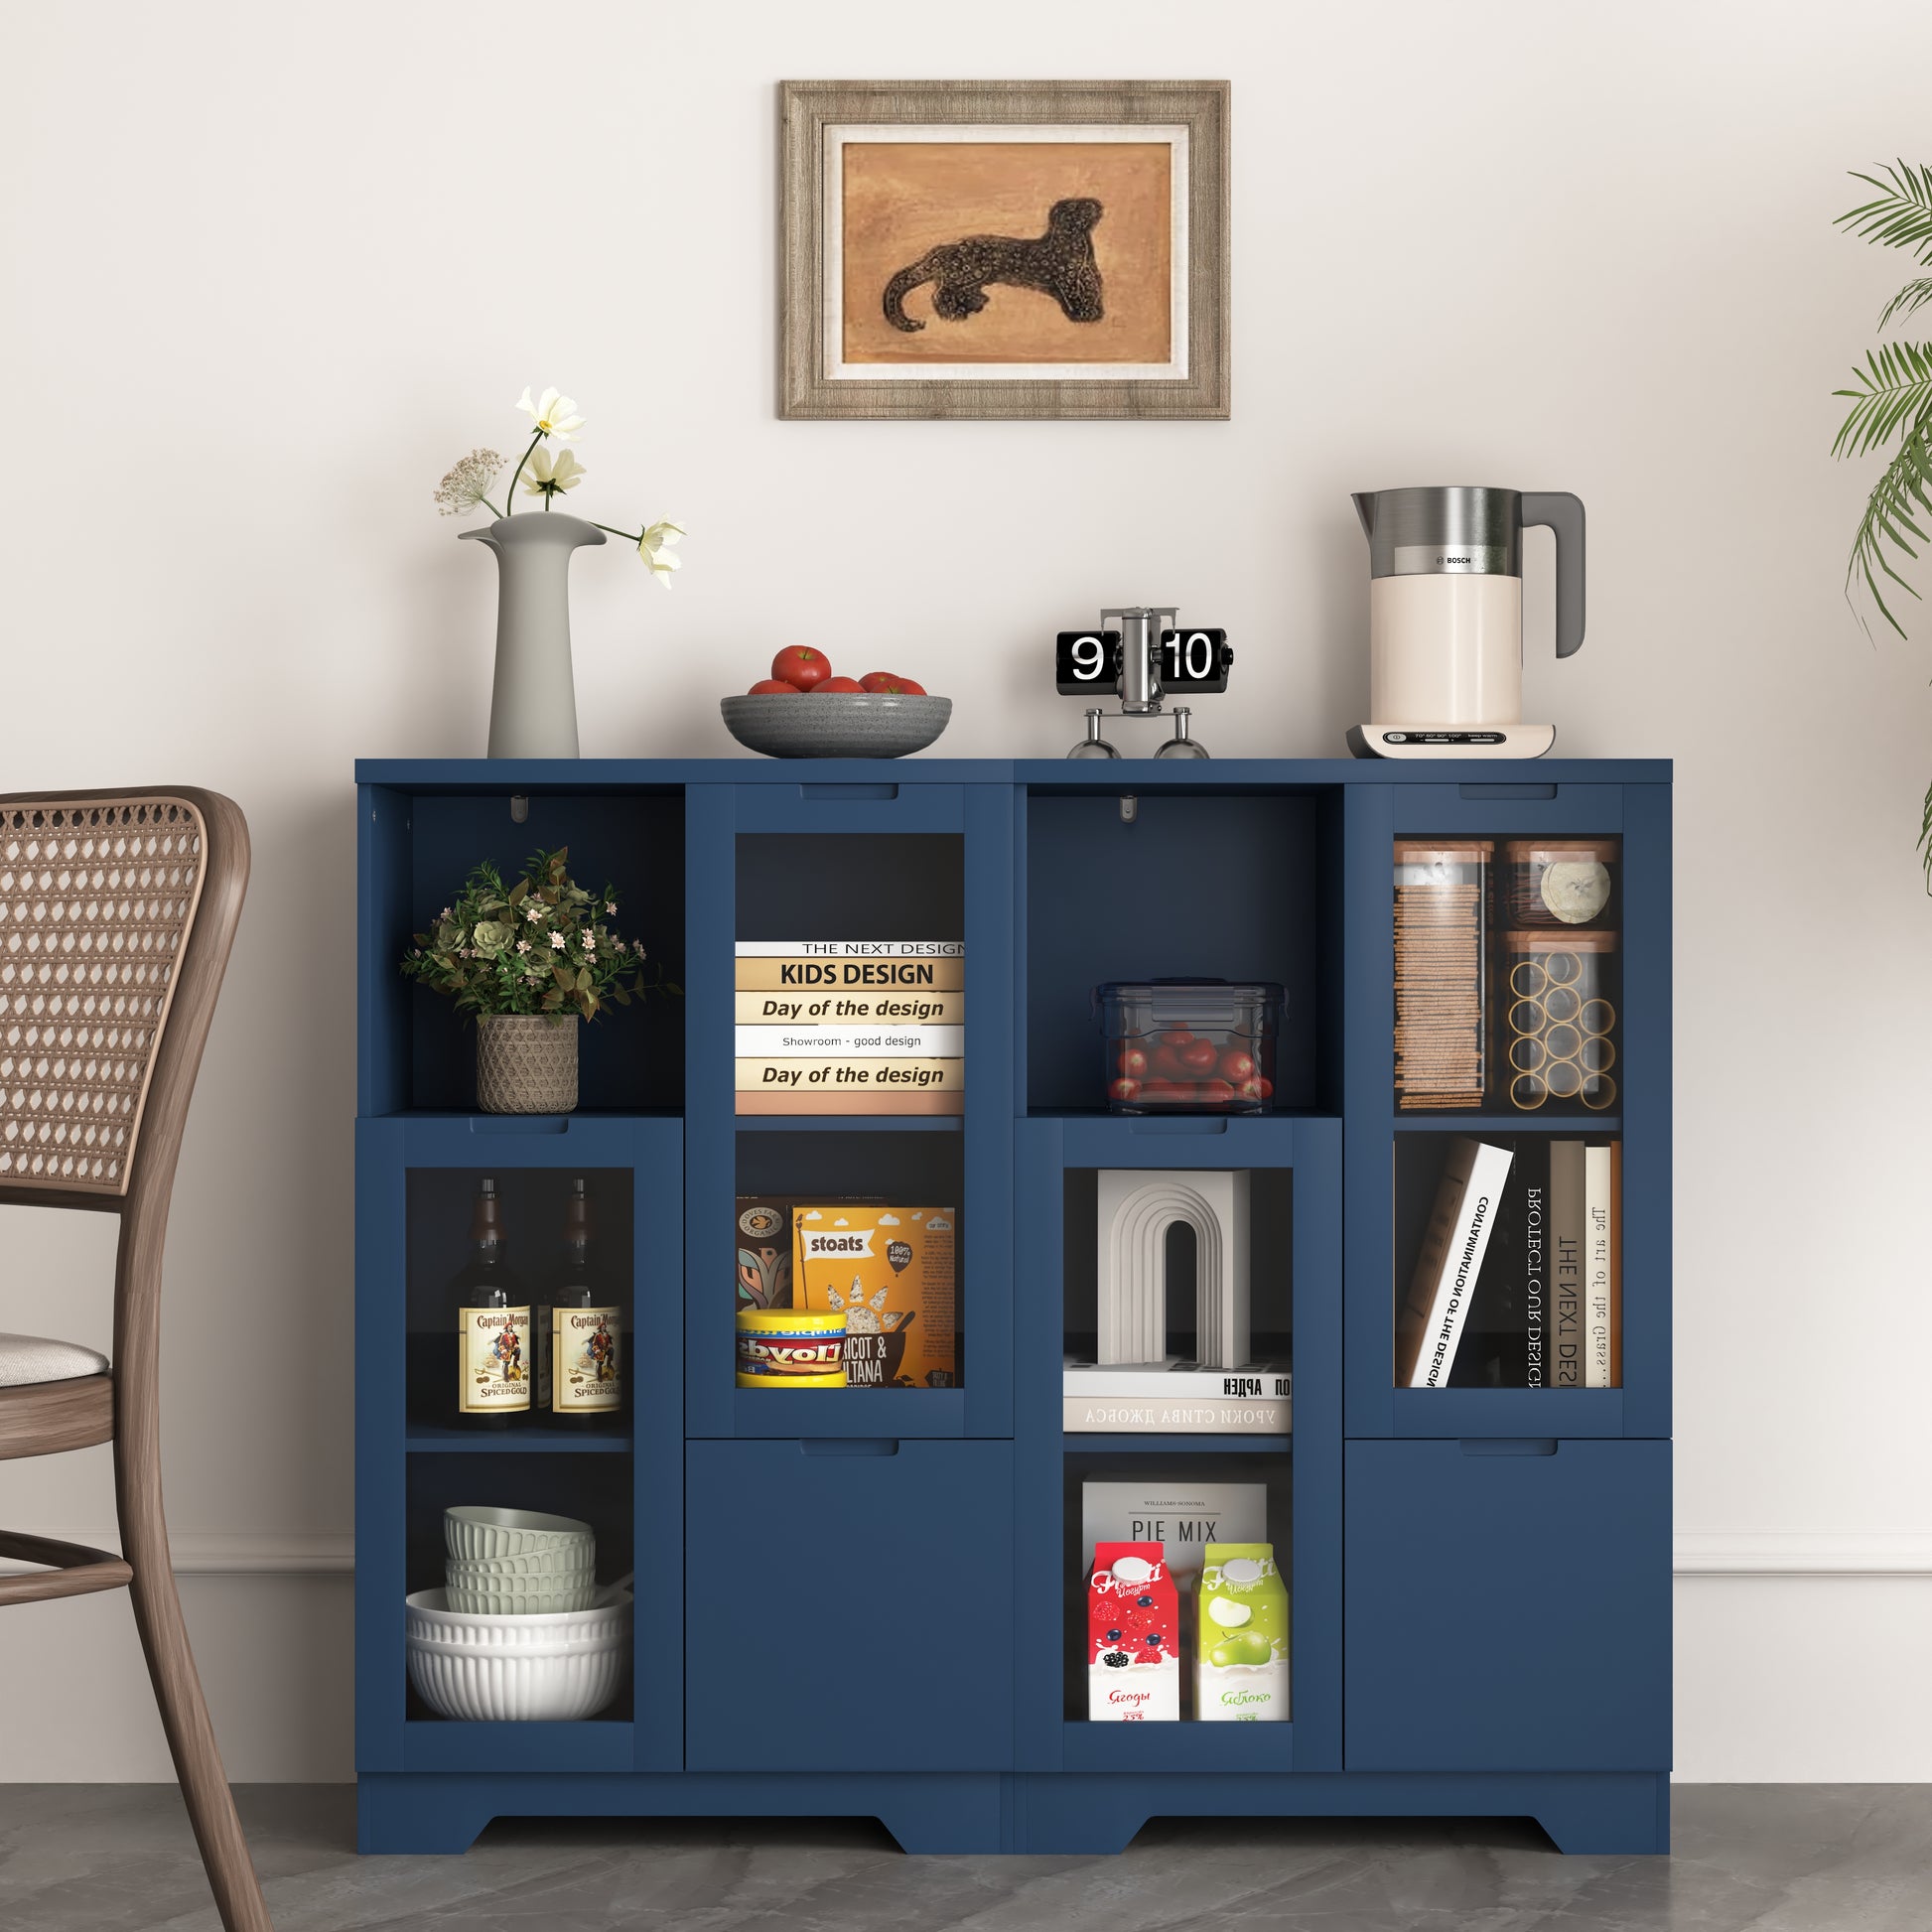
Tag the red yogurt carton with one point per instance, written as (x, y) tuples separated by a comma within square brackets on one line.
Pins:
[(1132, 1635)]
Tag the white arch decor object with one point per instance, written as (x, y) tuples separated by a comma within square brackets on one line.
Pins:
[(1137, 1206)]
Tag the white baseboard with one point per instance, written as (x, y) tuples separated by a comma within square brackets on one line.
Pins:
[(325, 1553), (1696, 1553)]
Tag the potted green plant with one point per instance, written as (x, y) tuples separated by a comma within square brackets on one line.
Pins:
[(530, 959), (1891, 401)]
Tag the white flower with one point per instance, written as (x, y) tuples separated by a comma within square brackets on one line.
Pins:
[(534, 913), (546, 478), (654, 547), (557, 941), (554, 415), (467, 484), (618, 945), (610, 905), (523, 945)]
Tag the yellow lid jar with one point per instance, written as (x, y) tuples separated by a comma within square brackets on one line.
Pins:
[(790, 1348)]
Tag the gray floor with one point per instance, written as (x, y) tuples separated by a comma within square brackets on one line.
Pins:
[(1780, 1857)]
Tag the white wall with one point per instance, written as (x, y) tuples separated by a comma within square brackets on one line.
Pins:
[(271, 269)]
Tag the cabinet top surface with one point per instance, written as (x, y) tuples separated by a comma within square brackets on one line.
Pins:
[(1069, 774)]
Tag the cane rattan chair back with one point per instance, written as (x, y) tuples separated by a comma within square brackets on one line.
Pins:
[(117, 912), (98, 899)]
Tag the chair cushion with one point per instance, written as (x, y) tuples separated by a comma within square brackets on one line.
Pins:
[(30, 1358)]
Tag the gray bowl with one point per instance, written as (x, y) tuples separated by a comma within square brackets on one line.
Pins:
[(835, 724)]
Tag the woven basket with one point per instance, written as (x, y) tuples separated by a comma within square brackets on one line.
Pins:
[(525, 1065)]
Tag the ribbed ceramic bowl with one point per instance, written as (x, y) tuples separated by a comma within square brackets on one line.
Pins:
[(560, 1565), (521, 1595), (544, 1683), (429, 1619), (474, 1530), (835, 724)]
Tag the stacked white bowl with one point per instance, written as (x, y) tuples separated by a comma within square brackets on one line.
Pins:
[(521, 1631)]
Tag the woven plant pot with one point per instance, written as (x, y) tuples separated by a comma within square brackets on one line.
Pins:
[(525, 1065)]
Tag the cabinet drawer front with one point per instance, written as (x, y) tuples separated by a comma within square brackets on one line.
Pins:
[(1507, 1605), (847, 1604)]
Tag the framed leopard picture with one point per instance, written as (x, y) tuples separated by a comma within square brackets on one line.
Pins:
[(1020, 249)]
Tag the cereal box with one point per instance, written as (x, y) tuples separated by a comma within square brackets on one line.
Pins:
[(890, 1272)]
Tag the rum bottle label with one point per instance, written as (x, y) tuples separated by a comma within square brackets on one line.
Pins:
[(493, 1360), (585, 1361)]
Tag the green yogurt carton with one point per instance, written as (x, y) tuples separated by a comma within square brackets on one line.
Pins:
[(1241, 1636)]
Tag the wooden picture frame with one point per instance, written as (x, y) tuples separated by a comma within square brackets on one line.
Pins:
[(1119, 308)]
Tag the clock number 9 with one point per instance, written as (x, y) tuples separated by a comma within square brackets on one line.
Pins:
[(1085, 662), (1089, 658)]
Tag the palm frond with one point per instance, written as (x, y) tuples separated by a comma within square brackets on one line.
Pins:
[(1908, 302), (1898, 500), (1902, 214), (1895, 387)]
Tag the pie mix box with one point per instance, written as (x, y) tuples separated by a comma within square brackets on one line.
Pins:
[(888, 1269)]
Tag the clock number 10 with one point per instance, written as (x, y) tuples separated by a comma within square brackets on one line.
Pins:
[(1189, 656)]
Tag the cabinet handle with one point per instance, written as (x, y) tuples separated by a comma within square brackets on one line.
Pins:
[(845, 794), (1508, 791), (1179, 1124), (1509, 1445), (519, 1124), (848, 1444)]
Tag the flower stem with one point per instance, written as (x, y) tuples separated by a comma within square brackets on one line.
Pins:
[(616, 532), (491, 507), (510, 496)]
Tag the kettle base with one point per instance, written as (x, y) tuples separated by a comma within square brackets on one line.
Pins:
[(1468, 741)]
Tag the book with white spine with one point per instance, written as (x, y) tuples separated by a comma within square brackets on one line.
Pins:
[(1599, 1277), (1173, 1379), (1457, 1237), (849, 949), (861, 1041)]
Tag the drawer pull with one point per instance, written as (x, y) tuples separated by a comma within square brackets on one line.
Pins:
[(1508, 791), (1509, 1445), (848, 1444), (845, 794), (520, 1124), (1180, 1124)]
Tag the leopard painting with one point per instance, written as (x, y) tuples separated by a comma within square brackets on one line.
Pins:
[(1058, 263)]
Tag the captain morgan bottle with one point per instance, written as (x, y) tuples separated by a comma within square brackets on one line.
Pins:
[(493, 1325), (580, 1335)]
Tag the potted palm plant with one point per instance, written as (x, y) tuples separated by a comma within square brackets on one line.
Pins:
[(530, 959), (1891, 409)]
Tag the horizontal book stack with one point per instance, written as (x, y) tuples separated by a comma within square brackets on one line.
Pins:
[(1519, 1281), (1173, 1397), (851, 1027)]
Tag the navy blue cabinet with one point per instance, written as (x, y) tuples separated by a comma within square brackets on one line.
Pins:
[(872, 1601), (1508, 1605), (847, 1604)]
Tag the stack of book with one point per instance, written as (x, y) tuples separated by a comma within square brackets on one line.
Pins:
[(1519, 1282), (851, 1027), (1173, 1397)]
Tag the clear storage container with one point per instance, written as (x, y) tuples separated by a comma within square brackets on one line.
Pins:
[(1189, 1046), (1561, 883), (1441, 1034), (1558, 1022)]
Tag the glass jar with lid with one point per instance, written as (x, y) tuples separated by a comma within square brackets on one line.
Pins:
[(1557, 1021), (1560, 882), (1441, 973)]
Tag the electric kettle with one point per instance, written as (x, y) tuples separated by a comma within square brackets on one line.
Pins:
[(1446, 618)]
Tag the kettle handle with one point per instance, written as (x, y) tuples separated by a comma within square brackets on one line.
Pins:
[(1560, 512)]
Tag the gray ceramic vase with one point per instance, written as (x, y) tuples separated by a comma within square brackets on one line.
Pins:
[(533, 702)]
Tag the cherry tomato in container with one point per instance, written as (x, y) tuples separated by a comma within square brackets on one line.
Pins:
[(1164, 1064), (1125, 1091), (1132, 1063), (1264, 1087), (1212, 1093), (1179, 1037), (1236, 1065), (1200, 1056), (801, 667)]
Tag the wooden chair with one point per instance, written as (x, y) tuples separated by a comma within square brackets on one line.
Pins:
[(118, 910)]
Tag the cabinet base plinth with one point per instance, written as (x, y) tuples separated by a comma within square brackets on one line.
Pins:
[(1054, 1814)]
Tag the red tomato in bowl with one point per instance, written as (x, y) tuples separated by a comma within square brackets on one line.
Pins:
[(772, 686), (891, 683), (1200, 1056), (801, 667), (1236, 1066), (839, 684)]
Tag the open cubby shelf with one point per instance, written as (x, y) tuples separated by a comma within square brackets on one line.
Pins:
[(1502, 1509)]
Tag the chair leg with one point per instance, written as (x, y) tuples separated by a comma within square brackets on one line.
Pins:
[(184, 1710)]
